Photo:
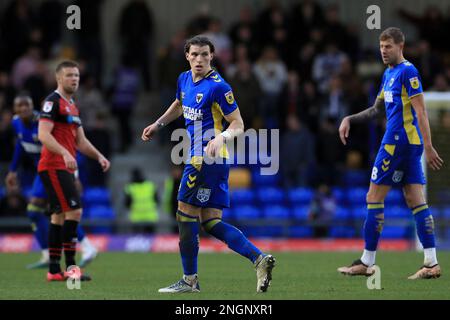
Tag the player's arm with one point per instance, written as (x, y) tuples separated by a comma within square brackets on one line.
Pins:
[(235, 128), (377, 110), (49, 141), (86, 148), (173, 112), (433, 159), (11, 177)]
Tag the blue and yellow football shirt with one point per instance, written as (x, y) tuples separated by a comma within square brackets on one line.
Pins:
[(204, 103), (398, 161), (399, 84)]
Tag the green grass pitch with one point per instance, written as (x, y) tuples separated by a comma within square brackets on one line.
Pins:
[(227, 276)]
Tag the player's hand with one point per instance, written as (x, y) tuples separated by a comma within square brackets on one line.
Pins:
[(433, 160), (11, 180), (104, 163), (70, 161), (344, 130), (213, 148), (149, 132)]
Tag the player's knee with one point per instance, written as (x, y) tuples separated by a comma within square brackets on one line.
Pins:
[(209, 224), (73, 215), (371, 197), (409, 199), (57, 219), (188, 209)]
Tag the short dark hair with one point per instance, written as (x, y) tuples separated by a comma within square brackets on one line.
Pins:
[(199, 41), (393, 33), (66, 64)]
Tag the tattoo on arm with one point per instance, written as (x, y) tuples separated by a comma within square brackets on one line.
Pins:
[(377, 110)]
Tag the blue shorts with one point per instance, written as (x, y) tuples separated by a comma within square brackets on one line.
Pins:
[(38, 189), (205, 186), (397, 165)]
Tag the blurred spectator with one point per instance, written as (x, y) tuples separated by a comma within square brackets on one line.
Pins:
[(310, 106), (221, 41), (136, 30), (16, 26), (6, 136), (13, 204), (247, 92), (430, 25), (322, 209), (329, 152), (297, 153), (424, 59), (171, 62), (305, 15), (27, 65), (90, 101), (290, 99), (326, 65), (200, 22), (334, 105), (51, 23), (272, 29), (123, 100), (89, 42), (141, 198), (240, 53), (440, 83), (271, 73), (304, 61), (7, 91), (370, 66), (100, 136), (242, 33), (334, 30), (36, 84)]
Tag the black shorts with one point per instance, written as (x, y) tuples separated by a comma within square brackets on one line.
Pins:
[(62, 193)]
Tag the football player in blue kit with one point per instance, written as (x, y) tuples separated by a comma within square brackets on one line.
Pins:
[(206, 102), (25, 124), (398, 162)]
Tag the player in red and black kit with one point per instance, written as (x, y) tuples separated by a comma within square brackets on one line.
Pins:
[(61, 134)]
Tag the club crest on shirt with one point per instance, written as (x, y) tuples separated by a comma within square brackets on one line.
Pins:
[(198, 97), (397, 176), (229, 96), (48, 105), (203, 194), (391, 82), (414, 82)]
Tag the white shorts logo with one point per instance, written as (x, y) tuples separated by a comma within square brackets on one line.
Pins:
[(397, 176), (48, 105), (203, 194)]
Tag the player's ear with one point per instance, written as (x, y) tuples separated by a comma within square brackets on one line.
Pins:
[(187, 56), (58, 76)]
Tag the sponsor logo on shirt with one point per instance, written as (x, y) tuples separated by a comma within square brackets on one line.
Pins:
[(192, 113), (388, 96)]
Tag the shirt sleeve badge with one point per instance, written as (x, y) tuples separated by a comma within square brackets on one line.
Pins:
[(414, 82), (229, 96), (48, 105)]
